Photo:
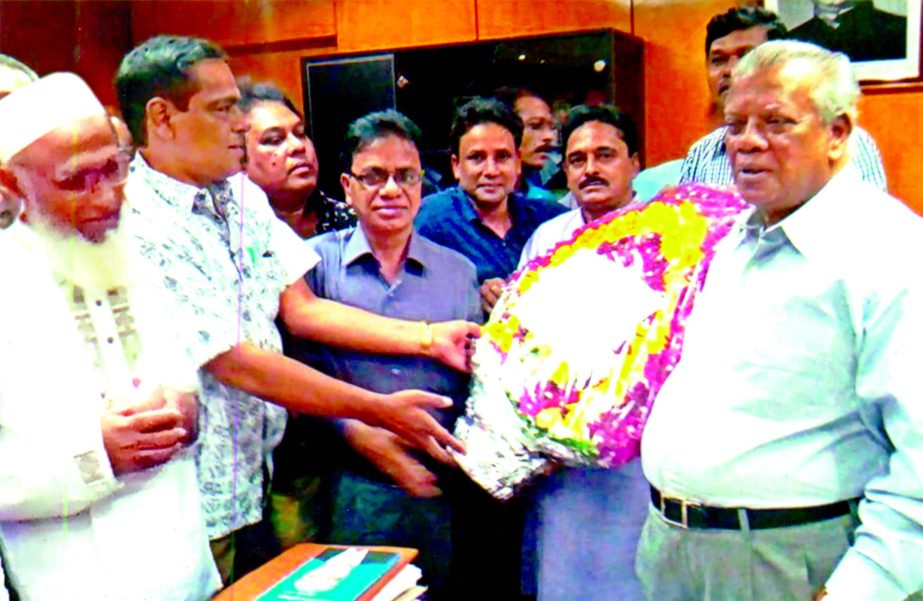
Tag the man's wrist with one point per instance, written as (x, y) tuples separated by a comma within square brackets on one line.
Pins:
[(426, 338)]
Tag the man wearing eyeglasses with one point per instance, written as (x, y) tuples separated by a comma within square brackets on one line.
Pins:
[(483, 218), (385, 492), (98, 491)]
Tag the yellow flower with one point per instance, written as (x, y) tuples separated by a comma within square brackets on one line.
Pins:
[(501, 332), (561, 376), (548, 417)]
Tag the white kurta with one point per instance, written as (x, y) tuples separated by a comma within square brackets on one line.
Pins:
[(69, 528)]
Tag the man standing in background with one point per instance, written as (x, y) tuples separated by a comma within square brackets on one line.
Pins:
[(538, 150), (588, 519), (728, 38), (483, 218), (13, 75)]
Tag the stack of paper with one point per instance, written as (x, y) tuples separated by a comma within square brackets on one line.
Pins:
[(402, 587)]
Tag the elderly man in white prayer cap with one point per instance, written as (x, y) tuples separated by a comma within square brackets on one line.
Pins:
[(98, 492)]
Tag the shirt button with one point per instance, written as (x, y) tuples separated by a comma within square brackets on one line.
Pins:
[(109, 340), (99, 303)]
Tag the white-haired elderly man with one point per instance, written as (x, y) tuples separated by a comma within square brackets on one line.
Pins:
[(98, 491), (785, 452)]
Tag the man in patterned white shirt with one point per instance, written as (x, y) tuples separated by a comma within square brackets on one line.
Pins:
[(99, 496), (729, 36), (224, 254)]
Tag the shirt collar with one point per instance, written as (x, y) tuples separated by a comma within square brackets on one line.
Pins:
[(466, 206), (179, 195), (810, 226), (808, 229), (720, 147), (357, 246), (516, 205)]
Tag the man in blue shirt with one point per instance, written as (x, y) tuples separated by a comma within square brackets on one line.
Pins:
[(385, 493), (483, 218)]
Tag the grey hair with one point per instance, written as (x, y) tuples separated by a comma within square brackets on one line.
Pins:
[(11, 63), (835, 91)]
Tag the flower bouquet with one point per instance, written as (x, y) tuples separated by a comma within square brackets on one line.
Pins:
[(583, 338)]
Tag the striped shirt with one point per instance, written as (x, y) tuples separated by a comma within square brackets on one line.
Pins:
[(707, 161)]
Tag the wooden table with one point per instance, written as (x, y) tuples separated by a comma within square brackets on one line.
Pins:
[(262, 579)]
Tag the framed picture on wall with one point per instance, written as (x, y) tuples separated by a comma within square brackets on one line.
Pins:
[(881, 37)]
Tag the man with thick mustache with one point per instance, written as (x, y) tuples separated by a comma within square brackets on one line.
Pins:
[(224, 255), (602, 143), (538, 150), (784, 452), (603, 509)]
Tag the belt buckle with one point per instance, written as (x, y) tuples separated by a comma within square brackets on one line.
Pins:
[(684, 506)]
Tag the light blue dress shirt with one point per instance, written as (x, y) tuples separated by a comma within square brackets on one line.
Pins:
[(800, 381)]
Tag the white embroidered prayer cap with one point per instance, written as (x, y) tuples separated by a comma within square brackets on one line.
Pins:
[(34, 110)]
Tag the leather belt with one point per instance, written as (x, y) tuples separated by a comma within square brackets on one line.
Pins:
[(687, 514)]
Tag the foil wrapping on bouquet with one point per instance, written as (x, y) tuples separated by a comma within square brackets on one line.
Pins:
[(584, 336)]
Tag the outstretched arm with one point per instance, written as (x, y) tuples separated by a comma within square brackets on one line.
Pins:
[(336, 324), (295, 386)]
